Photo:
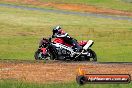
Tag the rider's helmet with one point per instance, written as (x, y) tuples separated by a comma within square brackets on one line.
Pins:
[(57, 29)]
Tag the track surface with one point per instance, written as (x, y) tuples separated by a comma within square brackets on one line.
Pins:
[(114, 17), (57, 71)]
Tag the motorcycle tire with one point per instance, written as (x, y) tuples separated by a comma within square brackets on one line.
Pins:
[(93, 55), (36, 55)]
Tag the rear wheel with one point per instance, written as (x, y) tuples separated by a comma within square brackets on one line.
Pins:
[(93, 55)]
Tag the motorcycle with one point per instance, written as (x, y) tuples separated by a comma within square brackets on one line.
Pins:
[(57, 49)]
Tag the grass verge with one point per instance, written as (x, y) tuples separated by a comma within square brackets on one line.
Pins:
[(18, 84)]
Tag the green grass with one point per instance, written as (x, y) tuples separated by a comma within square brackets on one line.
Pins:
[(20, 84), (108, 4), (21, 30)]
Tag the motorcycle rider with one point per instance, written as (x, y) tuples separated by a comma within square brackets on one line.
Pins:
[(59, 33)]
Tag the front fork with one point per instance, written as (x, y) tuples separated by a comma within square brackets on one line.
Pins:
[(43, 54)]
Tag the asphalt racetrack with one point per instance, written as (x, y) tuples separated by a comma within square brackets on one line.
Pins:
[(114, 17)]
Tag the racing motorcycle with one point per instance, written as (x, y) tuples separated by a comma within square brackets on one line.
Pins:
[(57, 49)]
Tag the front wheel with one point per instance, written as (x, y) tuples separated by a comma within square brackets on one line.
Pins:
[(39, 55)]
